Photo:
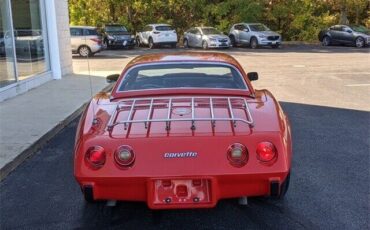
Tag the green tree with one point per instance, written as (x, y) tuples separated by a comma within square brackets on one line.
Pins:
[(295, 19)]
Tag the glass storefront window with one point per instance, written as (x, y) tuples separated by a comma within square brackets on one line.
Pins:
[(29, 38), (7, 70)]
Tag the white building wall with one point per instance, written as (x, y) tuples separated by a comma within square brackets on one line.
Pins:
[(65, 52)]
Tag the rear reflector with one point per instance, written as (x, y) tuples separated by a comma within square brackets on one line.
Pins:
[(237, 154), (124, 156), (96, 156), (266, 151)]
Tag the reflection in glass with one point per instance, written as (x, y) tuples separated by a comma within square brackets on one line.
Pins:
[(7, 73), (29, 38)]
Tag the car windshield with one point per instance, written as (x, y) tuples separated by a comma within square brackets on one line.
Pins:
[(184, 75), (258, 27), (163, 28), (115, 29), (360, 29), (208, 31)]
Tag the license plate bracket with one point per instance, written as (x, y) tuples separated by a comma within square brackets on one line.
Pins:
[(181, 191)]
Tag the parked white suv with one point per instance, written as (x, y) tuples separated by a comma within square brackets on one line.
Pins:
[(157, 35), (85, 40)]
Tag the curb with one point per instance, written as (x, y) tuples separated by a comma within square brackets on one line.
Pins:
[(37, 145)]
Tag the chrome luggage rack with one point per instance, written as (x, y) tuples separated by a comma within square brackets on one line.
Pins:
[(132, 105)]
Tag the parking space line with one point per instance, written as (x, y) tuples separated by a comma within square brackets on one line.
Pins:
[(358, 85)]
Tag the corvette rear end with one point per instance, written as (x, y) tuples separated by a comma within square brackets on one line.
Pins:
[(183, 147)]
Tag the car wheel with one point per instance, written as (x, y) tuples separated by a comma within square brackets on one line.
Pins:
[(84, 51), (326, 41), (254, 43), (186, 43), (232, 41), (151, 43), (205, 45), (360, 42)]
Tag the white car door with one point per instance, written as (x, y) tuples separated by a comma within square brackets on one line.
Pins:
[(77, 38), (146, 34)]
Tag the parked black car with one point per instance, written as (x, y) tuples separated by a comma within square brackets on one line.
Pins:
[(343, 34), (115, 35)]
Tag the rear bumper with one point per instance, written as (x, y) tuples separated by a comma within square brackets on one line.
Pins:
[(266, 42), (218, 44), (219, 187), (96, 48), (122, 43), (167, 43)]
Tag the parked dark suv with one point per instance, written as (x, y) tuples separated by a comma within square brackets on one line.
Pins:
[(343, 34), (115, 35)]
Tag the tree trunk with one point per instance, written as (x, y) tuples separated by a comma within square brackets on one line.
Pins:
[(343, 13), (112, 11), (357, 15)]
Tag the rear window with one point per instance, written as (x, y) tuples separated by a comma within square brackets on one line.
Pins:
[(258, 27), (209, 31), (164, 28), (189, 75), (115, 29), (76, 31)]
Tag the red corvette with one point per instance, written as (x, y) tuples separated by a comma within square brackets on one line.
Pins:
[(183, 131)]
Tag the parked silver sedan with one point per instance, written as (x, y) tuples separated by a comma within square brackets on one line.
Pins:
[(205, 37)]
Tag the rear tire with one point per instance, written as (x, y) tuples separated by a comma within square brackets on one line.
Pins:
[(84, 51), (89, 197), (360, 42), (326, 41), (284, 187), (254, 43)]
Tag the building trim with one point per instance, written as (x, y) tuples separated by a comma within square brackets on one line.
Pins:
[(25, 85), (51, 24)]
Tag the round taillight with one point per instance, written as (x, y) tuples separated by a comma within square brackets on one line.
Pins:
[(124, 156), (237, 154), (96, 156), (266, 151)]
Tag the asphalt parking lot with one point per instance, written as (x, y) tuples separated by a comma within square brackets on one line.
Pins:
[(325, 93)]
